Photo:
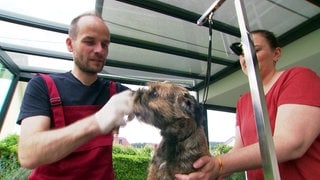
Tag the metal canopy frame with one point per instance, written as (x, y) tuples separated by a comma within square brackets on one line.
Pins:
[(178, 51), (267, 150)]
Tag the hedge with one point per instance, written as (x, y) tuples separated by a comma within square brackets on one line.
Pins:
[(129, 163), (130, 167)]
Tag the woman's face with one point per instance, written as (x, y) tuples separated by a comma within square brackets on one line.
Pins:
[(267, 57)]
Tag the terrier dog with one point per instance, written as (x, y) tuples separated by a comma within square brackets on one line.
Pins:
[(178, 115)]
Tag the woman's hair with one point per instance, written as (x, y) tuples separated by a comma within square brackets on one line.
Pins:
[(269, 36)]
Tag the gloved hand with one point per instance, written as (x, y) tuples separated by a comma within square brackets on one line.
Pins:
[(113, 113)]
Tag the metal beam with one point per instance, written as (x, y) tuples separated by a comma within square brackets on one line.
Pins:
[(167, 49), (167, 9), (109, 62), (219, 75), (299, 31)]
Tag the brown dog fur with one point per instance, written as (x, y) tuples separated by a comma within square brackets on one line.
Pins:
[(177, 114)]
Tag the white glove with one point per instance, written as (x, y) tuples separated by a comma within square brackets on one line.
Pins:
[(113, 113)]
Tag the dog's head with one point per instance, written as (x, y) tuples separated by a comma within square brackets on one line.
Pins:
[(169, 107)]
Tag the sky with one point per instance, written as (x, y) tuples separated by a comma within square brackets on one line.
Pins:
[(221, 125)]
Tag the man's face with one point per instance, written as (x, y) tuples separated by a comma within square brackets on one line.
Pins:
[(91, 46)]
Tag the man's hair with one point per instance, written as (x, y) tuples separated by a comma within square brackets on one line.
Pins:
[(73, 29), (269, 36)]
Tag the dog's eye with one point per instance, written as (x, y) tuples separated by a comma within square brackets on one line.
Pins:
[(153, 94)]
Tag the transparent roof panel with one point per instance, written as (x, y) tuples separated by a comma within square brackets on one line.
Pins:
[(150, 39), (149, 76), (60, 11), (28, 62), (158, 59), (139, 23), (32, 37)]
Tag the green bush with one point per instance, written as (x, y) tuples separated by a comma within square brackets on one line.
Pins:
[(128, 162), (133, 167), (131, 163), (8, 154), (222, 149), (129, 150), (9, 164)]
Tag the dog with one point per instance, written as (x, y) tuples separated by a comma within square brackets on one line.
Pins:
[(178, 115)]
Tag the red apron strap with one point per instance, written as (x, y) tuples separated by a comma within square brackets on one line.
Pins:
[(112, 89), (55, 100)]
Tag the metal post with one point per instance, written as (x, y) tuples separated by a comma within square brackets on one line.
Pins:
[(269, 159)]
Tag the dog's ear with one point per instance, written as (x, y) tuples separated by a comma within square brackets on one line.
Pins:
[(191, 107)]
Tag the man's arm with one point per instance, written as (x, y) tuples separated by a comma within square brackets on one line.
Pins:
[(39, 145)]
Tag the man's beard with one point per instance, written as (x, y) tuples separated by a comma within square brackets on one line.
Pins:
[(87, 69)]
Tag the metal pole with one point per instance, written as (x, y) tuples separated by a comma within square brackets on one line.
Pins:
[(99, 7), (268, 156)]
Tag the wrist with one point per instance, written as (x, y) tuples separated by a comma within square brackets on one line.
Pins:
[(220, 165), (104, 122)]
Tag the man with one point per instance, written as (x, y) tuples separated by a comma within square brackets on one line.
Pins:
[(75, 141)]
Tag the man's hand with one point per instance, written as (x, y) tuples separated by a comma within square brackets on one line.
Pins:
[(113, 113)]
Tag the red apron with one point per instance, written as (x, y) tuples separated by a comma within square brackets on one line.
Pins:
[(92, 160)]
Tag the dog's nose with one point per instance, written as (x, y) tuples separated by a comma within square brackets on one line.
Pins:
[(137, 95), (138, 92), (133, 91)]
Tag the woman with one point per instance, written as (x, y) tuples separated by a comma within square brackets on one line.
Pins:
[(293, 102)]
